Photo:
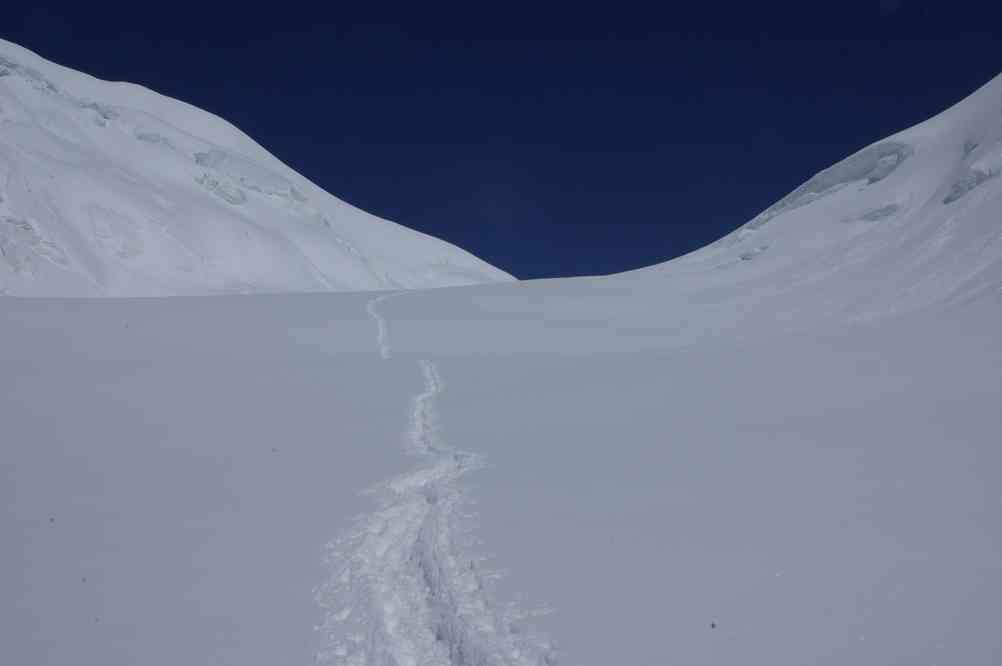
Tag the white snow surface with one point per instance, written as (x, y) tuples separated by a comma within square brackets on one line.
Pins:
[(109, 189), (781, 449)]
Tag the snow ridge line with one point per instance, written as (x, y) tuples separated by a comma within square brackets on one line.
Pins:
[(402, 592)]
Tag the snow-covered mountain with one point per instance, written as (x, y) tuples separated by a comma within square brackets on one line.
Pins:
[(112, 189), (909, 221), (780, 449)]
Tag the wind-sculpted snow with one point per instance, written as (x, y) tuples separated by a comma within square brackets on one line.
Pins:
[(154, 138), (880, 213), (403, 592), (986, 166), (248, 174), (966, 183), (223, 189), (214, 212), (21, 246), (870, 165), (752, 253), (903, 224), (37, 80)]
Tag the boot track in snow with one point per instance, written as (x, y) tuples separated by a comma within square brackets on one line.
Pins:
[(402, 593)]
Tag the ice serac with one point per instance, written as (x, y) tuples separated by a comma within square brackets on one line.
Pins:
[(904, 223), (110, 189)]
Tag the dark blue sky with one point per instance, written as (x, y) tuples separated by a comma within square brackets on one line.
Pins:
[(548, 141)]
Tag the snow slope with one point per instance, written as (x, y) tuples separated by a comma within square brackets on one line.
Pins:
[(910, 221), (781, 449), (111, 189)]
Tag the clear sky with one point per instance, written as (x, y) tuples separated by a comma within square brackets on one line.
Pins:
[(549, 141)]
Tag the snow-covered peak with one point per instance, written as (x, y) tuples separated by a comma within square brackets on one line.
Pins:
[(112, 189), (909, 221)]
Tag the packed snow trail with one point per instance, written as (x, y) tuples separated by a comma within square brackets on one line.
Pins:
[(382, 336), (402, 593)]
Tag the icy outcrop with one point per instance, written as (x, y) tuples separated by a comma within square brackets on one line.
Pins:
[(988, 165), (752, 253), (39, 82), (880, 213), (870, 165), (154, 138), (22, 246), (222, 188), (970, 180), (248, 174)]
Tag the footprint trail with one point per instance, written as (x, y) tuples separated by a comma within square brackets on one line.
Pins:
[(402, 592), (382, 335)]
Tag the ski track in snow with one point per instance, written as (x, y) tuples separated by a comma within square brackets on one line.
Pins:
[(402, 593), (382, 335)]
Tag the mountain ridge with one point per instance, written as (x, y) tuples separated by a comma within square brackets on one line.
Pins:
[(907, 221), (108, 188)]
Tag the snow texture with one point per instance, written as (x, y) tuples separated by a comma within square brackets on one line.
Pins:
[(869, 166), (401, 583), (93, 166)]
